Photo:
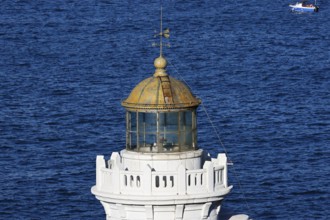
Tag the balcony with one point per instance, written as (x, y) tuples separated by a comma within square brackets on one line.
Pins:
[(112, 179)]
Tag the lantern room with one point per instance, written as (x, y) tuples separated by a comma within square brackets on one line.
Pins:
[(161, 114)]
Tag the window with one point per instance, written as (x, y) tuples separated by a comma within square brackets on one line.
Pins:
[(161, 131)]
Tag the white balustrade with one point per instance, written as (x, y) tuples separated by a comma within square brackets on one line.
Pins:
[(196, 182), (114, 179)]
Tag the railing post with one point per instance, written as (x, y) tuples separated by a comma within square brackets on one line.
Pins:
[(182, 183), (116, 158), (115, 179), (146, 180), (100, 164), (222, 160), (208, 167)]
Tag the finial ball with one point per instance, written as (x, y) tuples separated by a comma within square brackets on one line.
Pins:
[(160, 62)]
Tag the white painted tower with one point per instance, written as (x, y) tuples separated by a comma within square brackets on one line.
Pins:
[(162, 174)]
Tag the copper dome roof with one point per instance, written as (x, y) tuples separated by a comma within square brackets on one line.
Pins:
[(160, 92)]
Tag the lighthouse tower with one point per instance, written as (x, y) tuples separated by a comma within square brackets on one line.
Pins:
[(161, 174)]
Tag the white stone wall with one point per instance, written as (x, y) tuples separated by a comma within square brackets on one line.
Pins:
[(205, 211), (136, 161)]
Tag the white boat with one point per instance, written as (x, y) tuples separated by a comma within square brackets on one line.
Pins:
[(304, 7)]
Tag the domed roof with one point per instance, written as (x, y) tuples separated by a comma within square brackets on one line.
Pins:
[(160, 92)]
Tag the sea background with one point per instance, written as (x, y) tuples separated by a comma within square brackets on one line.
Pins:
[(262, 72)]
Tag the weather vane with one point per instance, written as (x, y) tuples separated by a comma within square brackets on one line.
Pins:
[(162, 33)]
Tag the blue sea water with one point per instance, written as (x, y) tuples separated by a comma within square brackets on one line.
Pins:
[(262, 72)]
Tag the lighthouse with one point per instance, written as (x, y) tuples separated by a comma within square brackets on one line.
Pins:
[(162, 173)]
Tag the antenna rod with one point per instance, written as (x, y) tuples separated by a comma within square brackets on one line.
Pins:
[(161, 33)]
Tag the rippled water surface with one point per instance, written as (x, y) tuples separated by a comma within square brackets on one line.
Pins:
[(262, 72)]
